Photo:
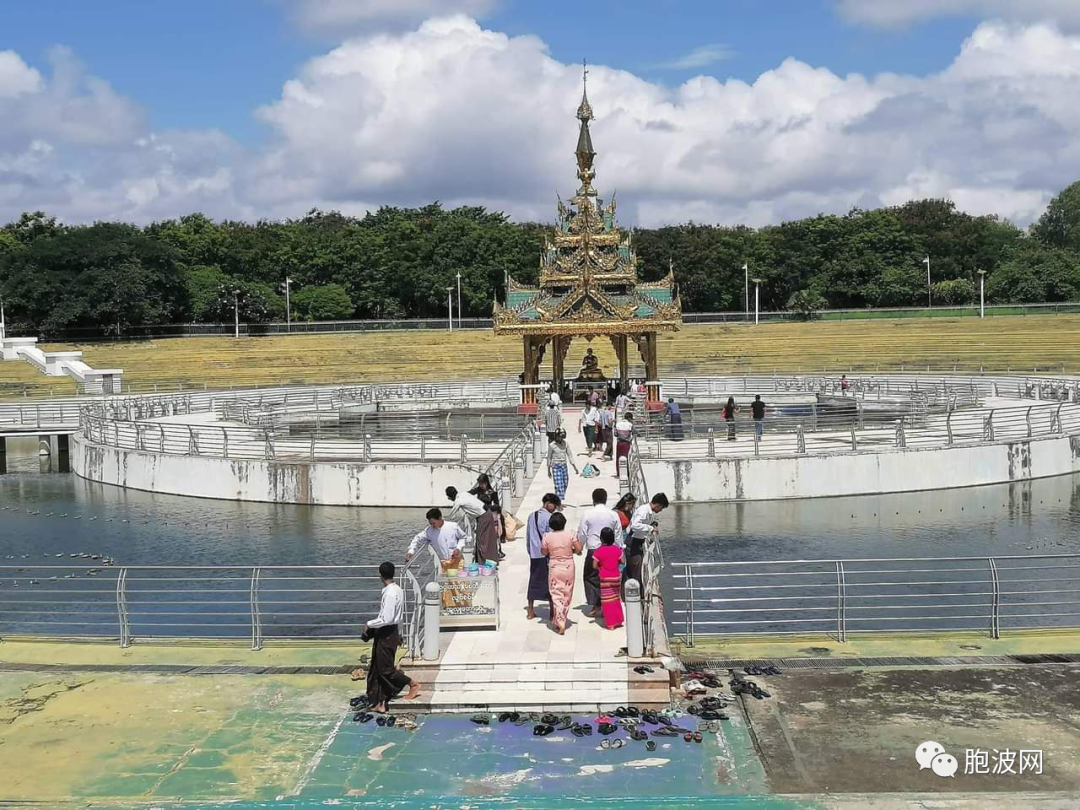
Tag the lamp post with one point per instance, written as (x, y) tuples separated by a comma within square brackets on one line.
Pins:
[(982, 293), (288, 306), (757, 299), (236, 311), (459, 299), (746, 289), (450, 307), (3, 321), (929, 302)]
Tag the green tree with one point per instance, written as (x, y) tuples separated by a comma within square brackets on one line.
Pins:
[(329, 302), (806, 303), (1036, 273), (1059, 226), (959, 291)]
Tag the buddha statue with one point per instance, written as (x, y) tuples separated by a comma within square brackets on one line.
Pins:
[(590, 369)]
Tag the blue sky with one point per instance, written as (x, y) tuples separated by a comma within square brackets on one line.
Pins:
[(211, 63), (726, 111)]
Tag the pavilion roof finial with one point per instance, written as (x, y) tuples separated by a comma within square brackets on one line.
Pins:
[(585, 112)]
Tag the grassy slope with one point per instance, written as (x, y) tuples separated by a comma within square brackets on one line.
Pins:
[(1046, 341)]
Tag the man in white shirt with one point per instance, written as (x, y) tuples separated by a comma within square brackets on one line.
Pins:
[(592, 523), (444, 537), (624, 433), (590, 418), (384, 680), (643, 525), (465, 509), (622, 402)]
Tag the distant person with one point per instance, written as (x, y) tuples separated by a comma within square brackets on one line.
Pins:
[(384, 680), (560, 546), (844, 384), (758, 409), (590, 418), (622, 403), (674, 416), (442, 536), (535, 529), (554, 398), (643, 526), (608, 560), (730, 409), (607, 430), (484, 487), (552, 421), (592, 523), (624, 434), (594, 398), (558, 460)]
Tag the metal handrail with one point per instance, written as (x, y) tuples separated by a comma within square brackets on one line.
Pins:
[(992, 594), (139, 602)]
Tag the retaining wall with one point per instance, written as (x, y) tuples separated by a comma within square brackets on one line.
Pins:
[(325, 483), (833, 475)]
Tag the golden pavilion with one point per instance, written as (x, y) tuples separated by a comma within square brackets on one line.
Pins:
[(588, 288)]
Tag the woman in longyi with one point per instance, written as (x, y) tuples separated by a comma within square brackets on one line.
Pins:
[(560, 546)]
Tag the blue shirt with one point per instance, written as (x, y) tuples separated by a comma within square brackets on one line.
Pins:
[(673, 409), (537, 528)]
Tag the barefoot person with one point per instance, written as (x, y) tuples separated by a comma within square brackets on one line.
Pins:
[(608, 559), (592, 523), (560, 546), (385, 681), (535, 529)]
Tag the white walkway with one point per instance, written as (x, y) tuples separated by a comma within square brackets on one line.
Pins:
[(526, 664)]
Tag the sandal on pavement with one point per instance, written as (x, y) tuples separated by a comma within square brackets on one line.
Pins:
[(650, 746), (688, 736), (643, 670), (618, 743), (698, 737), (605, 744)]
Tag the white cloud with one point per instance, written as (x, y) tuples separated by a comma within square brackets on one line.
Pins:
[(891, 13), (16, 77), (699, 57), (336, 17), (453, 112)]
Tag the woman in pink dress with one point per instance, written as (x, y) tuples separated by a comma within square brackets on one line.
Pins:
[(609, 560), (560, 546)]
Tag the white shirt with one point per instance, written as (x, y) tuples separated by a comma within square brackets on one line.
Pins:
[(624, 429), (621, 402), (590, 417), (555, 399), (466, 505), (641, 521), (444, 541), (391, 607), (597, 518)]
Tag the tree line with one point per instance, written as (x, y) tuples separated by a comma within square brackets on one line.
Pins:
[(398, 262)]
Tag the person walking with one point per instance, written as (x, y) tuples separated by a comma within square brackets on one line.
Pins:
[(606, 428), (535, 529), (643, 526), (674, 416), (730, 409), (758, 409), (384, 680), (560, 546), (590, 418), (488, 535), (552, 421), (624, 433), (622, 403), (592, 523), (608, 560), (559, 456)]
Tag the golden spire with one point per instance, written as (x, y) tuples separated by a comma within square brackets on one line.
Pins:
[(585, 152)]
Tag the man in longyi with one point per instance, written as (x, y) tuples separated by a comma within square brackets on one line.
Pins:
[(443, 536), (384, 680)]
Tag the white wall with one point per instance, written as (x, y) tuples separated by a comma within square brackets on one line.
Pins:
[(820, 476), (337, 484)]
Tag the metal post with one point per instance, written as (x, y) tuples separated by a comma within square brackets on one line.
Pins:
[(757, 442), (995, 615), (121, 608), (1027, 419), (690, 618), (800, 439), (256, 619), (854, 440), (423, 448), (841, 603), (635, 641), (367, 448), (464, 449), (712, 444), (432, 609), (948, 426)]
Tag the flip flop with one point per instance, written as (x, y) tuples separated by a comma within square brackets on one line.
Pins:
[(638, 736), (390, 721), (565, 723), (380, 720), (605, 744), (697, 737), (504, 717), (359, 700), (663, 719), (576, 730), (665, 732), (549, 719), (643, 670), (620, 711), (632, 711), (606, 728), (479, 719), (358, 674), (688, 736), (650, 746), (618, 743), (587, 729)]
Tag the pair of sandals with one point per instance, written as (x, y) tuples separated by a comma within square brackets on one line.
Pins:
[(542, 729), (668, 731), (693, 736), (743, 687), (616, 743), (644, 670), (706, 679), (756, 670), (714, 727), (627, 711), (481, 719), (581, 730), (387, 720), (606, 728), (359, 702)]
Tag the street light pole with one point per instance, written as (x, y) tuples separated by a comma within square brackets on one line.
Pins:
[(236, 310), (459, 300), (3, 321), (929, 302), (982, 293), (450, 307), (288, 306), (757, 299), (746, 289)]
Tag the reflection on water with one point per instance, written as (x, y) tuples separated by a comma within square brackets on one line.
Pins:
[(1037, 517)]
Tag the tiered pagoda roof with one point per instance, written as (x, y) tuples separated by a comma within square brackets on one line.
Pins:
[(588, 271)]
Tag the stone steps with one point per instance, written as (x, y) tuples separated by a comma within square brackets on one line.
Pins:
[(570, 687)]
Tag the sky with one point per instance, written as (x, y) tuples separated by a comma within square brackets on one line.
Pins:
[(719, 111)]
